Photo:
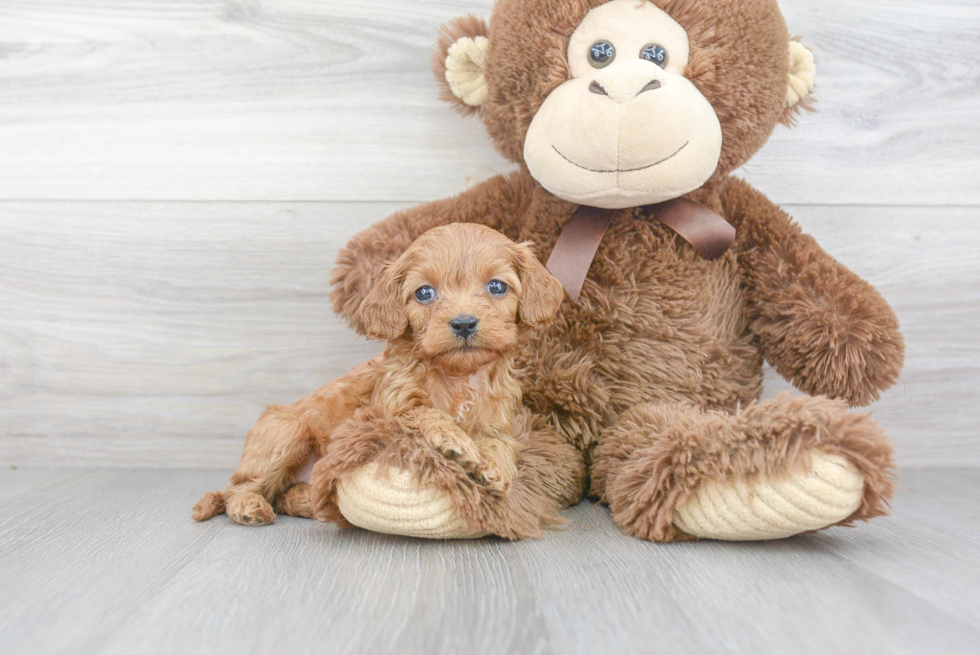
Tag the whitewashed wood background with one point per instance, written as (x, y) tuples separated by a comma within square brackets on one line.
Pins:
[(176, 177)]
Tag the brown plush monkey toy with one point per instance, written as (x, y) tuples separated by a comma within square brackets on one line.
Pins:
[(626, 118)]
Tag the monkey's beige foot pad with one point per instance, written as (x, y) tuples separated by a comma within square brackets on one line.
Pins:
[(398, 505), (758, 509)]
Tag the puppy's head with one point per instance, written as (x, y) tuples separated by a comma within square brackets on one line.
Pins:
[(461, 293)]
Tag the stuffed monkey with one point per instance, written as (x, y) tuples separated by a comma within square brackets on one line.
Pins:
[(625, 119)]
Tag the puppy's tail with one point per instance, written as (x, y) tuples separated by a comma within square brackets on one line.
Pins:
[(211, 504)]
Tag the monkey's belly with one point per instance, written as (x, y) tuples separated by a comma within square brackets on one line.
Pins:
[(643, 341)]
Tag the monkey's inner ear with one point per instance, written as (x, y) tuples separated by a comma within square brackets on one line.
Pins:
[(459, 61), (801, 78)]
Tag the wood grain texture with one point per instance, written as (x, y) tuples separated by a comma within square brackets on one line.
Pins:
[(333, 100), (104, 562), (152, 334)]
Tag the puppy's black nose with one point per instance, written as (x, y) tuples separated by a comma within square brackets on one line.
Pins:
[(464, 325)]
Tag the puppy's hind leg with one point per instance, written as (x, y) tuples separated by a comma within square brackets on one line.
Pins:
[(211, 504), (296, 501), (275, 448)]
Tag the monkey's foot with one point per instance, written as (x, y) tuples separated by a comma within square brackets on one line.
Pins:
[(395, 504), (759, 509)]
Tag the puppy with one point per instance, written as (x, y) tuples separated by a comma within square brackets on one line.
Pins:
[(453, 309)]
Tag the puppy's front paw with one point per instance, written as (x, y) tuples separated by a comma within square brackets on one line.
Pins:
[(455, 445), (494, 477), (249, 509), (499, 466)]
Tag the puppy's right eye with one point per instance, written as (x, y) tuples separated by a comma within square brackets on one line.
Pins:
[(496, 288), (425, 294)]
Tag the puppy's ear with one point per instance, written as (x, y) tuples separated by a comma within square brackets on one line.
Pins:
[(382, 312), (541, 292)]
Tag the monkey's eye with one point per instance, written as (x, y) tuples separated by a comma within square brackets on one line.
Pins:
[(601, 54), (496, 288), (425, 294), (655, 53)]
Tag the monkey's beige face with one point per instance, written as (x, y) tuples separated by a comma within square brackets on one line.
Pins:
[(461, 303), (628, 128)]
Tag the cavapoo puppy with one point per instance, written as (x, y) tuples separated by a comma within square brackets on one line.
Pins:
[(452, 309)]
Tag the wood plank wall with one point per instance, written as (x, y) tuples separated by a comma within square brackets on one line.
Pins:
[(176, 177)]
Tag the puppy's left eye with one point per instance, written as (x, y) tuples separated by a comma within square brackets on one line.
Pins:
[(496, 288), (425, 294)]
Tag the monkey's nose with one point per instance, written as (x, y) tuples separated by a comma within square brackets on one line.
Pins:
[(652, 86), (628, 81), (464, 325), (598, 89)]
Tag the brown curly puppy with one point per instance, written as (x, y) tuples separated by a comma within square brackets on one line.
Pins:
[(453, 308)]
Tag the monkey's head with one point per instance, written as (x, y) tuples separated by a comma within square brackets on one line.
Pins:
[(621, 103)]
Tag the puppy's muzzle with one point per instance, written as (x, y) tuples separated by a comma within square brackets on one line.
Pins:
[(464, 325)]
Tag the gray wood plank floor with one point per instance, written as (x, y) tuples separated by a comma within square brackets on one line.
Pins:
[(109, 561)]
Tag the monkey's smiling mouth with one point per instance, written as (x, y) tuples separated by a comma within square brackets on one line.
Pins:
[(620, 170)]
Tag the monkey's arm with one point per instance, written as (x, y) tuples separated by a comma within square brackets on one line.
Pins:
[(820, 325), (497, 203)]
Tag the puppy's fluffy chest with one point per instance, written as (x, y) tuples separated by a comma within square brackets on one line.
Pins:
[(467, 399)]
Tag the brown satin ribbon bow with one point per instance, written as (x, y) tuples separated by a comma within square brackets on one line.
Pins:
[(709, 234)]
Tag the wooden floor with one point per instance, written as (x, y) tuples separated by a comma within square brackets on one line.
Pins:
[(109, 561)]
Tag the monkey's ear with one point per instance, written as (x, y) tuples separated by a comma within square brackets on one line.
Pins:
[(799, 82), (541, 292), (458, 63), (382, 312)]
